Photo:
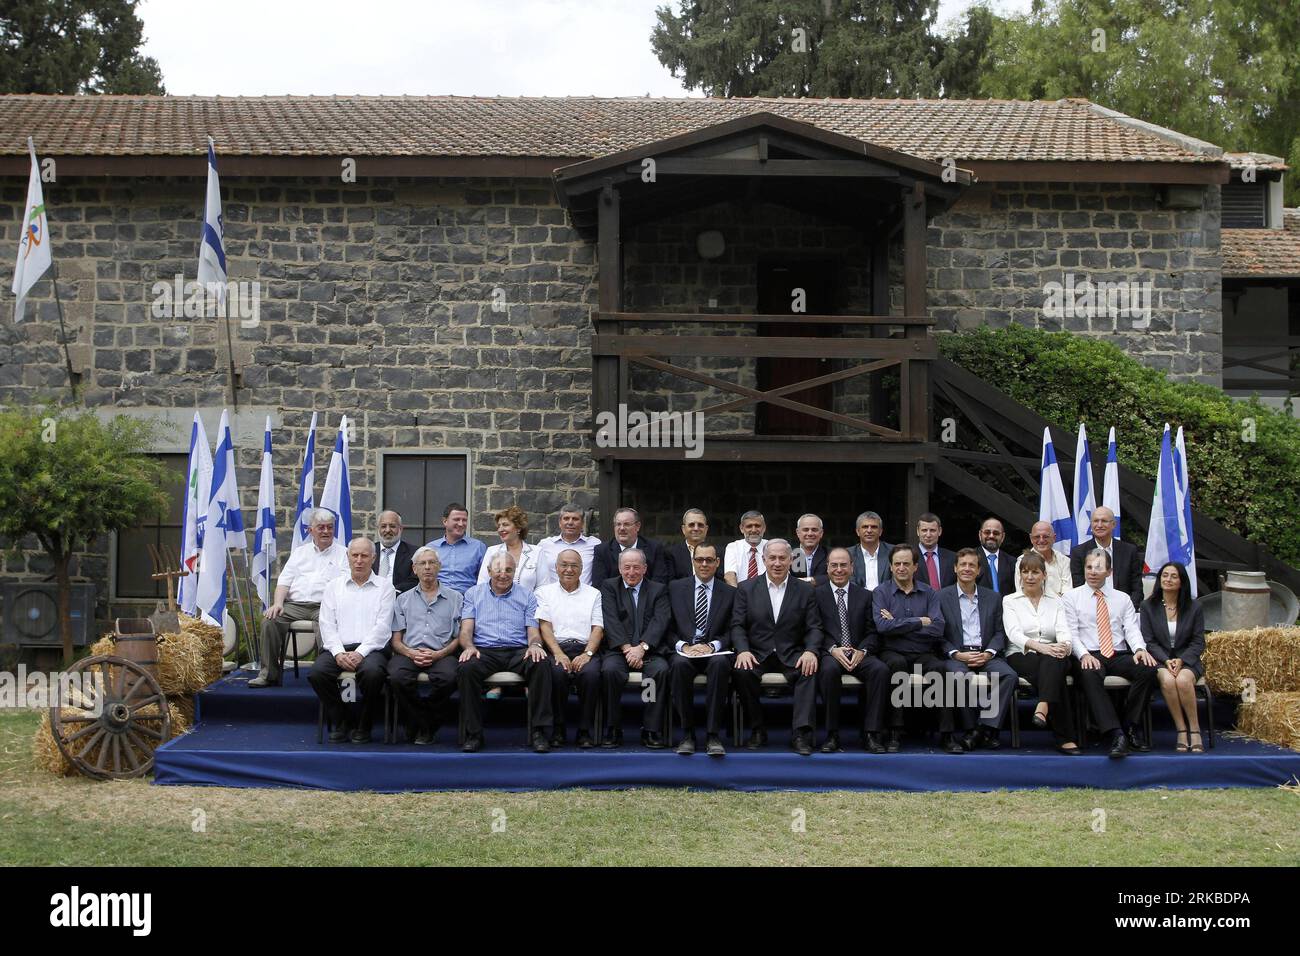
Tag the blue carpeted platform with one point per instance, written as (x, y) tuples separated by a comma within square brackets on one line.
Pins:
[(267, 738)]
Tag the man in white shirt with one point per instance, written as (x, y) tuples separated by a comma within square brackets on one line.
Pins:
[(570, 536), (356, 617), (1042, 536), (744, 558), (871, 556), (298, 592), (1107, 639), (571, 622)]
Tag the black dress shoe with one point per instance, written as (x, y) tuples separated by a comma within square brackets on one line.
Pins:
[(893, 745), (557, 739), (1138, 741), (803, 745), (360, 736), (1039, 721), (338, 735), (687, 746), (713, 746), (473, 744), (757, 740), (871, 742), (611, 740), (1119, 746), (989, 739), (424, 738), (969, 740), (540, 744), (832, 745), (950, 745), (653, 740), (584, 740), (1075, 751)]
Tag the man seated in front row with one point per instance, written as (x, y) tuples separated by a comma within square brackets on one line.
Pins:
[(975, 643), (1108, 640), (298, 591), (701, 622), (356, 618), (635, 610), (910, 623), (852, 647), (498, 633), (776, 628), (426, 639), (571, 624)]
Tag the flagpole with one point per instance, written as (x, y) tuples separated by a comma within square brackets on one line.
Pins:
[(230, 350), (253, 646), (63, 331)]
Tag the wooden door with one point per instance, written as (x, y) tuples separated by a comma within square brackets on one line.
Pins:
[(777, 283)]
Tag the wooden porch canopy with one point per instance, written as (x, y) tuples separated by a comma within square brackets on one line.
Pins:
[(768, 158)]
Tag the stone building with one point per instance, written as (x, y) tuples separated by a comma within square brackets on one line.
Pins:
[(444, 271)]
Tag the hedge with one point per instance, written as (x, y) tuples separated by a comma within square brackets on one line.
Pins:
[(1251, 487)]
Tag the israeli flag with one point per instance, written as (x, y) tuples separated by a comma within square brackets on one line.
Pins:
[(1166, 535), (198, 488), (1084, 501), (225, 525), (337, 496), (34, 252), (1185, 505), (264, 536), (1053, 506), (212, 248), (306, 490), (1110, 483)]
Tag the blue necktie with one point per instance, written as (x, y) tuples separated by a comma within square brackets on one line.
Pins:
[(993, 567)]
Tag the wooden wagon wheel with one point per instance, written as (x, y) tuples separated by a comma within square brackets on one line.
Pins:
[(115, 720)]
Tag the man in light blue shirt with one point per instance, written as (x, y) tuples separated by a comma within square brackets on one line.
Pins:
[(461, 556)]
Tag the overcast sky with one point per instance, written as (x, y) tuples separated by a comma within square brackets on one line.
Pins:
[(466, 47)]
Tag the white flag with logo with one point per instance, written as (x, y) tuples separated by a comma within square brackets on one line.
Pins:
[(198, 489), (212, 246), (225, 526), (34, 254)]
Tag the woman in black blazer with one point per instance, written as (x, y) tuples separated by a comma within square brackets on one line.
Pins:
[(1173, 627)]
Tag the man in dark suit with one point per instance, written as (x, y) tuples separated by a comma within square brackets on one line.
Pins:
[(871, 556), (851, 647), (636, 614), (975, 643), (1125, 561), (809, 564), (775, 627), (936, 567), (992, 534), (677, 558), (627, 534), (701, 623), (394, 559)]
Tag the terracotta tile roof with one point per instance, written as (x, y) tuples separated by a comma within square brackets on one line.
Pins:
[(1263, 253), (1262, 161), (576, 127)]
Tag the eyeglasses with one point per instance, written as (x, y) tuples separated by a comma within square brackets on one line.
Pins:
[(706, 560)]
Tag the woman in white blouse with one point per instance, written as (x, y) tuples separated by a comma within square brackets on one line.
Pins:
[(1038, 647), (512, 526)]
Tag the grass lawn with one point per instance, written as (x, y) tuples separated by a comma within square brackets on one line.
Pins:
[(49, 821)]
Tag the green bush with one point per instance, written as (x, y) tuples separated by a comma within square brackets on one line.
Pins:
[(1251, 487)]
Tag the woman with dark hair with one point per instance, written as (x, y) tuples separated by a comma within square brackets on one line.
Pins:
[(1173, 626), (1038, 647)]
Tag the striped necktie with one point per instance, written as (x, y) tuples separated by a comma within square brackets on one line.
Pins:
[(753, 563), (1105, 639), (844, 617), (701, 612)]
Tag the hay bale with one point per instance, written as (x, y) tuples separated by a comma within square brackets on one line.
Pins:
[(182, 709), (46, 753), (1268, 656), (105, 645), (187, 662), (1274, 716)]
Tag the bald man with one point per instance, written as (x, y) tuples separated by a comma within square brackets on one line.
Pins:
[(1125, 561)]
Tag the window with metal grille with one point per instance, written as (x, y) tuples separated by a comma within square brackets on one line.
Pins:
[(132, 559), (419, 487), (1245, 205)]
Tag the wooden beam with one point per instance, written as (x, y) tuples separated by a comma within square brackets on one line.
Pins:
[(880, 306), (852, 372), (984, 494), (791, 450), (798, 168), (296, 166), (608, 372), (1019, 171), (734, 346), (883, 319), (917, 395)]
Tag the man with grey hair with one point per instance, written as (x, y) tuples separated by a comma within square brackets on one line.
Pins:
[(809, 563), (871, 556), (298, 591), (426, 640), (394, 561), (635, 615), (571, 521), (356, 616), (777, 628), (743, 559)]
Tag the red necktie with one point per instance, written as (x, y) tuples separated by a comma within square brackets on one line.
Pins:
[(932, 569), (753, 563)]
